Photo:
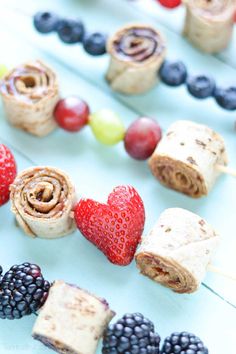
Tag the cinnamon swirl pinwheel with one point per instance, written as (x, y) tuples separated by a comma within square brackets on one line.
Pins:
[(137, 52), (30, 93), (42, 200), (187, 158), (177, 250), (209, 23)]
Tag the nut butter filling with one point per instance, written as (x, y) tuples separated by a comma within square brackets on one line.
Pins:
[(166, 273), (29, 82), (178, 176), (43, 197)]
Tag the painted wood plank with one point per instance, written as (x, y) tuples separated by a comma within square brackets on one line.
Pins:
[(74, 259), (47, 153), (84, 158)]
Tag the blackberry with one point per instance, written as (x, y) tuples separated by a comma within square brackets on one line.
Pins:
[(23, 291), (132, 334), (183, 343), (0, 274)]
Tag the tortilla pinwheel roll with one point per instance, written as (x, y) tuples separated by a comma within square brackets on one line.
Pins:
[(42, 200), (137, 52), (187, 158), (177, 250), (72, 320), (30, 93), (209, 23)]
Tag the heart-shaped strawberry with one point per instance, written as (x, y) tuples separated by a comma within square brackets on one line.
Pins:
[(116, 227)]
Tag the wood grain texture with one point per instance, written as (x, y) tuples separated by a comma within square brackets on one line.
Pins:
[(211, 312)]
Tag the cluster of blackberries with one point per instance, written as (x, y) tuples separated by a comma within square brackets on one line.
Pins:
[(23, 290), (70, 31), (135, 334), (200, 86)]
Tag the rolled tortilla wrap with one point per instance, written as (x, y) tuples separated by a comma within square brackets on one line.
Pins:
[(186, 158), (137, 52), (42, 199), (72, 320), (30, 93), (209, 23), (177, 250)]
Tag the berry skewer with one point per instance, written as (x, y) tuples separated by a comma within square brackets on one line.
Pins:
[(200, 160), (137, 51), (73, 320)]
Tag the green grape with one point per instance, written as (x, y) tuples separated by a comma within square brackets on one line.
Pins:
[(3, 70), (107, 127)]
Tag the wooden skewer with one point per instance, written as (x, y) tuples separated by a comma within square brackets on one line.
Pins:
[(226, 169), (219, 271)]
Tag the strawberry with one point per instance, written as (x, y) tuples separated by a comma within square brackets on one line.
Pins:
[(7, 173), (116, 227)]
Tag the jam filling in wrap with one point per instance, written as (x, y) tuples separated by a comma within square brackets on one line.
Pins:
[(209, 23), (138, 44), (42, 200), (187, 157), (137, 52), (30, 93), (177, 250)]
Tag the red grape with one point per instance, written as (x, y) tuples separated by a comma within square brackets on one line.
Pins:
[(170, 4), (142, 137), (71, 113)]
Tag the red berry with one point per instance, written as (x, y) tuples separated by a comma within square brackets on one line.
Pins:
[(235, 16), (116, 227), (7, 173), (142, 137), (170, 4), (71, 113)]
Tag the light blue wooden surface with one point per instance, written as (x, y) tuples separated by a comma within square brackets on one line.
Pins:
[(95, 169)]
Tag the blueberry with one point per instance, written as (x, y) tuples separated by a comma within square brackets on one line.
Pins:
[(226, 98), (173, 73), (201, 86), (70, 31), (45, 22), (95, 44)]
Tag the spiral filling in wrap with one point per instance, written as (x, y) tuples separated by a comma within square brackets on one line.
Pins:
[(42, 199), (137, 52), (177, 250), (30, 93), (137, 44), (187, 157), (209, 23), (179, 176)]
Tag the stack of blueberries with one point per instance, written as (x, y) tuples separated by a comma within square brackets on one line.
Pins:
[(70, 31)]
